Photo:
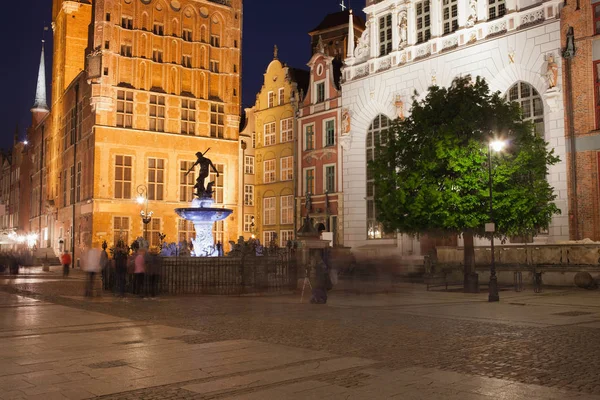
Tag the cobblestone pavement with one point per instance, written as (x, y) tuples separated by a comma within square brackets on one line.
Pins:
[(548, 340)]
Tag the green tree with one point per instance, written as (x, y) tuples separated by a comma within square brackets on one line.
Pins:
[(431, 169)]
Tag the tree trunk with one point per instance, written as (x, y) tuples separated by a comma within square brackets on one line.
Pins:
[(471, 279)]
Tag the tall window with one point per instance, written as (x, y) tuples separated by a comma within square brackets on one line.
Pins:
[(269, 133), (597, 19), (214, 66), (156, 178), (287, 130), (124, 109), (320, 92), (152, 232), (287, 168), (187, 35), (249, 165), (597, 91), (218, 187), (309, 137), (215, 41), (158, 29), (281, 96), (287, 210), (186, 183), (271, 99), (188, 117), (450, 13), (217, 120), (186, 60), (126, 22), (248, 222), (330, 179), (269, 211), (157, 55), (496, 9), (330, 132), (65, 188), (385, 35), (126, 50), (423, 21), (531, 103), (78, 184), (285, 237), (249, 195), (374, 228), (219, 232), (269, 238), (185, 230), (253, 140), (309, 181), (157, 113), (269, 175), (123, 166), (121, 229), (72, 186)]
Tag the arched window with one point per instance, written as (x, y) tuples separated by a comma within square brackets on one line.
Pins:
[(374, 229), (531, 104)]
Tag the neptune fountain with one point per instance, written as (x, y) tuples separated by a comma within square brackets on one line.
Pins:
[(202, 213)]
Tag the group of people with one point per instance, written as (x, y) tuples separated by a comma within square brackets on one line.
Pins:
[(10, 261)]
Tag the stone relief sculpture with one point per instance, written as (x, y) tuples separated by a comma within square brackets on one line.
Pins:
[(403, 25), (362, 48), (472, 19), (346, 121), (552, 72), (399, 107)]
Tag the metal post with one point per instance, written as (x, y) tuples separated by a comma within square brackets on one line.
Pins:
[(244, 146), (493, 286)]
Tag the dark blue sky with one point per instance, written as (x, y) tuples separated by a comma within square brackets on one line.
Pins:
[(266, 22)]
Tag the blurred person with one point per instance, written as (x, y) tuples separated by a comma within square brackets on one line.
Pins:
[(105, 268), (153, 269), (120, 258), (91, 264), (139, 272), (65, 260), (322, 281)]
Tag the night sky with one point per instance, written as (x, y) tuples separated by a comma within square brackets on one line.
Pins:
[(266, 23)]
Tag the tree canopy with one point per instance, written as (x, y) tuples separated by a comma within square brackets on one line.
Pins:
[(431, 169)]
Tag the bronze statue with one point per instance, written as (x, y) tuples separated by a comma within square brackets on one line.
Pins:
[(205, 165)]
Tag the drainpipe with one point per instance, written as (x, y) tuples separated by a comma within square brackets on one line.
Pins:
[(77, 132), (568, 55), (41, 184)]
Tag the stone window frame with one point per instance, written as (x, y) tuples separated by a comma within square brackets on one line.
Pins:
[(328, 135), (309, 180), (423, 18), (268, 237), (123, 164), (449, 16), (270, 99), (281, 96), (309, 137), (157, 111), (385, 34), (496, 9), (219, 232), (156, 179), (531, 103), (217, 120)]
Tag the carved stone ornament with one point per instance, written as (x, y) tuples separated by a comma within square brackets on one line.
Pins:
[(399, 104), (346, 121), (472, 18), (551, 71), (403, 27), (362, 48)]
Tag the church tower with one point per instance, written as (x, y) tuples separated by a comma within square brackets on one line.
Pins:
[(40, 107)]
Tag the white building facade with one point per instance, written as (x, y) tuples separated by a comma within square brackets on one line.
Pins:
[(410, 45)]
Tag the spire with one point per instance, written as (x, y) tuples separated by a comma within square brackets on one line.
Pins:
[(275, 52), (16, 137), (40, 92), (350, 53)]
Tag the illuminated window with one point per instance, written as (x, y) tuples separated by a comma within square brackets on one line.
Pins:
[(309, 181), (269, 174), (124, 109), (285, 237), (249, 195), (186, 183), (269, 210), (531, 104), (248, 222), (152, 232), (496, 9), (385, 35), (287, 168), (217, 121), (215, 41), (269, 238), (269, 133), (123, 169), (187, 35), (157, 113), (423, 22), (185, 231), (188, 117), (287, 210), (281, 96), (121, 229), (156, 178), (218, 183), (271, 100), (309, 137), (126, 22), (158, 29), (450, 14), (249, 165), (287, 130)]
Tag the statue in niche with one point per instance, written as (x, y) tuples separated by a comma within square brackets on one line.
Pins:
[(346, 121), (403, 24), (472, 19), (399, 107), (552, 72), (201, 191)]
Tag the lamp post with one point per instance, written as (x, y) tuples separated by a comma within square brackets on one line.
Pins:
[(497, 146), (146, 215)]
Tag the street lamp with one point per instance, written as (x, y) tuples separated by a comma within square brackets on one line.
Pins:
[(497, 146), (146, 215)]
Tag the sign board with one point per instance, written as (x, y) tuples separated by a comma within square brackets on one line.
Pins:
[(490, 227)]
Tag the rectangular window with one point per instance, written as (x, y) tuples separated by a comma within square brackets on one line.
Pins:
[(287, 168), (78, 190), (186, 61), (218, 183), (424, 21), (217, 121), (287, 210), (152, 232), (309, 179), (126, 22), (156, 178), (320, 92), (157, 113), (188, 117), (157, 56), (597, 91), (214, 66), (219, 232), (254, 140), (269, 209), (271, 100), (248, 222), (496, 9), (65, 188), (123, 174), (185, 231), (72, 185), (186, 183), (330, 133), (330, 179), (285, 237), (270, 238), (126, 50), (124, 109), (249, 195), (281, 96), (249, 165), (158, 29), (287, 130), (385, 35), (215, 41), (309, 137), (187, 35), (597, 19), (450, 14), (121, 230), (269, 133), (269, 176)]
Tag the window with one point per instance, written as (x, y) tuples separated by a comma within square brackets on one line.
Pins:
[(126, 50), (249, 165), (121, 230), (309, 181), (156, 178), (126, 22), (65, 188), (254, 140), (218, 186), (157, 55), (269, 176), (287, 130), (385, 35), (496, 9), (78, 184), (152, 232), (281, 96), (157, 113), (269, 133), (106, 45), (219, 233), (269, 211), (188, 117), (248, 222), (597, 19), (271, 100), (531, 103), (374, 228), (186, 60), (214, 66), (330, 133), (123, 169), (158, 29), (329, 179), (287, 210), (450, 13), (597, 91), (270, 238), (187, 35), (215, 41), (185, 231), (186, 183), (124, 109), (423, 22), (309, 137), (249, 195), (285, 237), (287, 168), (217, 121), (107, 17), (320, 92), (72, 186)]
